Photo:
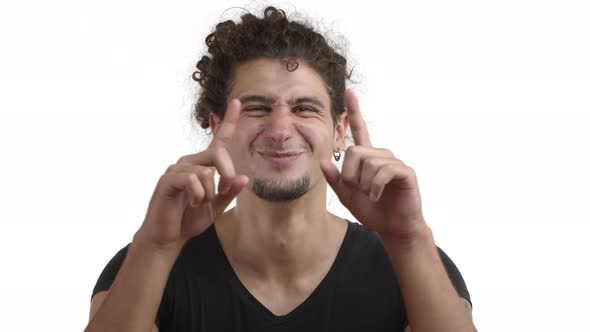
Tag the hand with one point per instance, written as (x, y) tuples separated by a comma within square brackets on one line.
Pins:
[(184, 202), (378, 189)]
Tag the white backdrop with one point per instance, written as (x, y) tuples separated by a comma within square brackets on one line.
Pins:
[(487, 101)]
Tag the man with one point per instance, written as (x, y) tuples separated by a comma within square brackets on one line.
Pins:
[(273, 93)]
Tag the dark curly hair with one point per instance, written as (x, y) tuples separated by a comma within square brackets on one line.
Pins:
[(272, 36)]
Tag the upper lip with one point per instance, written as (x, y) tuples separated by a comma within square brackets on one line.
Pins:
[(279, 154)]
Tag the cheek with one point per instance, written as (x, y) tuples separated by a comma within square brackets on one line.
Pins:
[(317, 135), (245, 133), (238, 145)]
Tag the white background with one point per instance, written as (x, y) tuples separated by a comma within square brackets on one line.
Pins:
[(487, 101)]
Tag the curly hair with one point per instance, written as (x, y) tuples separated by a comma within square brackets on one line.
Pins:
[(272, 36)]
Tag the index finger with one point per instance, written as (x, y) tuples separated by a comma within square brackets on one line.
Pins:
[(358, 127), (227, 126)]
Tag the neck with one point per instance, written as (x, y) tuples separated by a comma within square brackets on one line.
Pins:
[(279, 241)]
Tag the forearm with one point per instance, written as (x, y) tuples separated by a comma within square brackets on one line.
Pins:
[(431, 300), (136, 293)]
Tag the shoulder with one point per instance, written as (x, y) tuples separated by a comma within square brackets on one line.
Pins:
[(455, 275), (367, 247), (204, 241), (363, 240), (361, 235), (363, 248), (367, 277), (201, 255), (110, 271)]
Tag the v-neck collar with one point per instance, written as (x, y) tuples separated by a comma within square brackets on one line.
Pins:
[(322, 287)]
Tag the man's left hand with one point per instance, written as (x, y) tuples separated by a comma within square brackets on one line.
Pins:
[(378, 189)]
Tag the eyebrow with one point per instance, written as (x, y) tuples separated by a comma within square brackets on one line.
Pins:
[(290, 102)]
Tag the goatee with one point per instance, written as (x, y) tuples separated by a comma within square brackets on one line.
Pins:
[(281, 190)]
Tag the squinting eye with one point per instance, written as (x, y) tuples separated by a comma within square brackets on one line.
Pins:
[(255, 108), (304, 109), (256, 111)]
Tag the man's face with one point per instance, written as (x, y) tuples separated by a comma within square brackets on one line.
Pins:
[(285, 128)]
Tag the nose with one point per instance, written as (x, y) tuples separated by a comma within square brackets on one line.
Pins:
[(279, 125)]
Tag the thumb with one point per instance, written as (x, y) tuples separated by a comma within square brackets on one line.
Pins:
[(221, 201), (332, 175)]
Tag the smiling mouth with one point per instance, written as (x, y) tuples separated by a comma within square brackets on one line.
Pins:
[(280, 154), (280, 158)]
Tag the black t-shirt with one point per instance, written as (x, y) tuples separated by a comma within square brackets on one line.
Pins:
[(359, 293)]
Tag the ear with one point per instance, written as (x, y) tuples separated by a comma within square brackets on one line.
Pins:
[(213, 122), (340, 130)]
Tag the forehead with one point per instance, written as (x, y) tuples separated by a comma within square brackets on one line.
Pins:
[(269, 77)]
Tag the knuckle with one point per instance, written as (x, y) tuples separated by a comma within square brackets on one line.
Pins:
[(167, 177), (198, 191), (163, 179), (182, 160), (205, 172), (192, 180), (371, 164), (387, 152), (391, 168), (170, 169), (353, 149)]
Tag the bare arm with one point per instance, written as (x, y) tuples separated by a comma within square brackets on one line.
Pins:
[(382, 193), (97, 301), (431, 299), (467, 309), (133, 300), (183, 205)]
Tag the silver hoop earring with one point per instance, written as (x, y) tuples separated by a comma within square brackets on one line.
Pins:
[(337, 154)]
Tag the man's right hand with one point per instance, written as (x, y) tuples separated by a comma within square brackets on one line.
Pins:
[(184, 202)]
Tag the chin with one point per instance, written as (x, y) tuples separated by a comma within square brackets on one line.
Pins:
[(281, 189)]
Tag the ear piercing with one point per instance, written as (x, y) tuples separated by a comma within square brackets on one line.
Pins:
[(337, 154)]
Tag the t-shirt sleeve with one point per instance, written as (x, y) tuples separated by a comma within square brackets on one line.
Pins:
[(109, 273), (455, 276)]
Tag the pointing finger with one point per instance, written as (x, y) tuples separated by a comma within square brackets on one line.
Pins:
[(227, 126), (358, 127)]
